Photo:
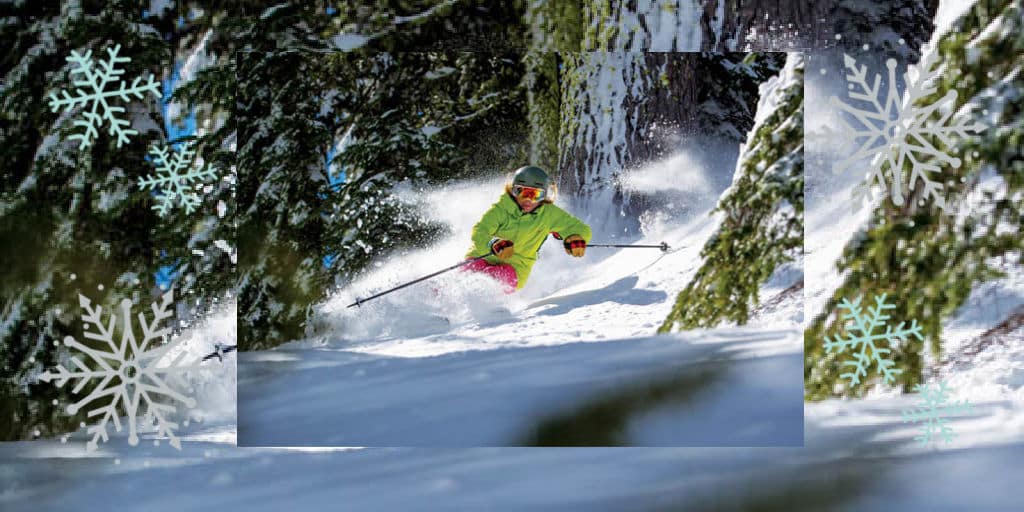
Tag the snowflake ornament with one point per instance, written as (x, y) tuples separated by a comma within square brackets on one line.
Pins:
[(142, 379), (175, 178), (95, 81), (931, 411), (899, 131), (862, 340)]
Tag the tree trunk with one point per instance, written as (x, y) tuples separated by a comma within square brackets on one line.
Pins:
[(619, 111)]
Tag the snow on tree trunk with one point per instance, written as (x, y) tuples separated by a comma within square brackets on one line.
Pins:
[(638, 25), (617, 111), (620, 111), (593, 144), (717, 25), (724, 25), (762, 224)]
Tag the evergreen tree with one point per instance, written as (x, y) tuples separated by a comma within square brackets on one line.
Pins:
[(926, 260), (282, 139), (489, 26), (73, 221), (204, 264), (762, 212)]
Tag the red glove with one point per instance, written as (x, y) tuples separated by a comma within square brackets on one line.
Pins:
[(502, 248), (575, 245)]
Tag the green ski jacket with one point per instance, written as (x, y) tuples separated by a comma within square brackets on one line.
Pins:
[(526, 230)]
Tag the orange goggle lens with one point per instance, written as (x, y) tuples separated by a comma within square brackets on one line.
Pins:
[(522, 192)]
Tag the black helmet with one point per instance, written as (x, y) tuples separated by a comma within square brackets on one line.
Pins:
[(531, 176)]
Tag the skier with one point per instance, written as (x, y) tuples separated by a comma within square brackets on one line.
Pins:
[(514, 228)]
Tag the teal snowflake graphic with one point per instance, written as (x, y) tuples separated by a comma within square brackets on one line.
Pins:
[(91, 88), (174, 177), (862, 340), (931, 411)]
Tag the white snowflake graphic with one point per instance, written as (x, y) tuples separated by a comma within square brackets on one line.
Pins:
[(899, 131), (142, 379), (863, 343), (175, 178), (91, 88), (931, 411)]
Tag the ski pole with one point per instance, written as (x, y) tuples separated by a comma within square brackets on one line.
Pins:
[(219, 351), (360, 302), (663, 246)]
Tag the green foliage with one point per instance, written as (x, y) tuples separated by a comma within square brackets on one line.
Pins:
[(727, 89), (73, 219), (556, 26), (433, 25), (281, 143), (762, 218), (416, 118), (428, 118), (929, 260), (602, 25)]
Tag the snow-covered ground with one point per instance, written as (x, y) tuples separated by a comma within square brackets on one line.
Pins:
[(857, 456), (737, 387)]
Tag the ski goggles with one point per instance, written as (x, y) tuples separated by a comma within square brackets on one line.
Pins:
[(531, 193)]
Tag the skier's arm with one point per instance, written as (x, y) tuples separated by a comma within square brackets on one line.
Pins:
[(566, 225), (484, 230)]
